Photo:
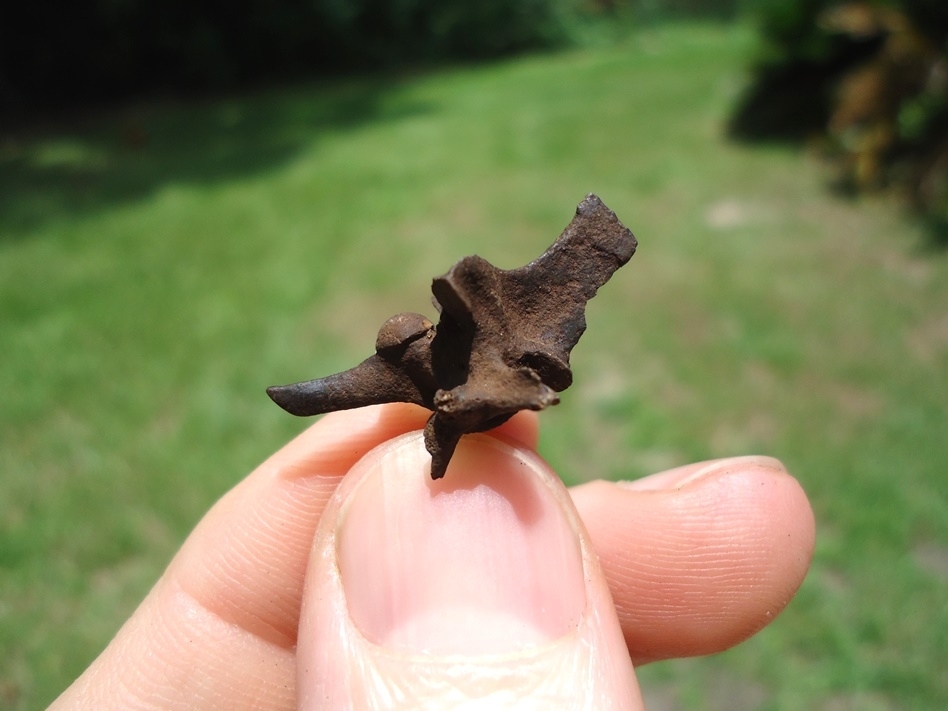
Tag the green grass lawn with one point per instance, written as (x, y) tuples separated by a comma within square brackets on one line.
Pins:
[(161, 265)]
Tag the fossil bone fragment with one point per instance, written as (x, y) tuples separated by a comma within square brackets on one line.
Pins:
[(502, 343)]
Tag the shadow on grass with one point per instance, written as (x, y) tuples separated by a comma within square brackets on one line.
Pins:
[(938, 231), (83, 164)]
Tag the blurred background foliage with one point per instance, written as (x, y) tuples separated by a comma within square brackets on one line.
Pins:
[(55, 55), (61, 54), (199, 200), (868, 77), (869, 82)]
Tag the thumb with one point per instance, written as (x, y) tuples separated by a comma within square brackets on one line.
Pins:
[(479, 590)]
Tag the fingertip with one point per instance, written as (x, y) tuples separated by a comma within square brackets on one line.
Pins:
[(681, 476), (701, 557), (335, 442), (461, 590)]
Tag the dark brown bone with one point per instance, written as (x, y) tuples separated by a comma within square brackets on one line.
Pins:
[(502, 344)]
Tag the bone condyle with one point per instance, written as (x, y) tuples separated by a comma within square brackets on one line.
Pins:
[(502, 343)]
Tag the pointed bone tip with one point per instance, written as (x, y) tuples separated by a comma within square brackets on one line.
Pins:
[(438, 472), (590, 202), (288, 397), (593, 207), (278, 393), (441, 458)]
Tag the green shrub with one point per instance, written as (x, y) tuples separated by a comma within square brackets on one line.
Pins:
[(870, 80)]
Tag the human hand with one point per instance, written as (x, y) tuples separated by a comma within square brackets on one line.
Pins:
[(483, 585)]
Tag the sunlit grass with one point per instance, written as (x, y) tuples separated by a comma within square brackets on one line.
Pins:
[(160, 266)]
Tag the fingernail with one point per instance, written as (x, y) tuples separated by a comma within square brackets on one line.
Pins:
[(482, 561), (480, 590), (682, 476)]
